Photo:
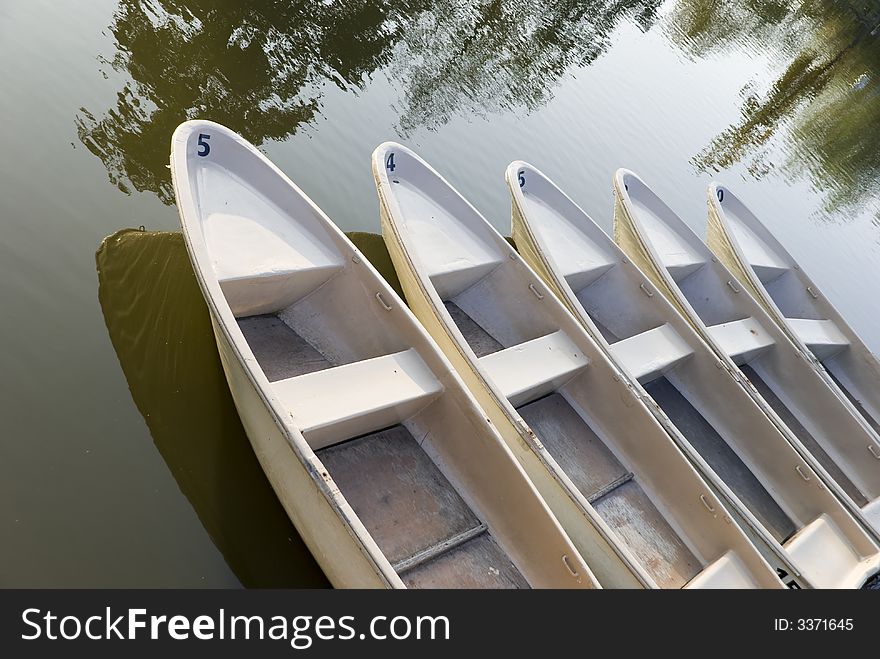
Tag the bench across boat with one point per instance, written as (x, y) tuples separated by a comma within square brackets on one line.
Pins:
[(829, 431), (618, 484), (383, 460), (779, 283), (706, 409)]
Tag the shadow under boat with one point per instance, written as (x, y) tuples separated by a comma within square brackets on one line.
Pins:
[(161, 331)]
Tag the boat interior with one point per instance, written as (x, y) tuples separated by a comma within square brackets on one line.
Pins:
[(489, 296), (740, 327), (648, 338), (356, 375), (807, 315), (358, 404), (616, 302)]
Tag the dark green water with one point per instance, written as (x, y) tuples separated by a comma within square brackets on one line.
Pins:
[(113, 471)]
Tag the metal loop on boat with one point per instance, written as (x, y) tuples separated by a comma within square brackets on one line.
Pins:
[(382, 301), (706, 503), (645, 290), (568, 565), (812, 292), (537, 293), (873, 449), (733, 286), (801, 472)]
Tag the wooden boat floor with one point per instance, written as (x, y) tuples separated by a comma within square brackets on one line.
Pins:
[(612, 489), (412, 510), (281, 352), (804, 435), (723, 460), (466, 567), (480, 341)]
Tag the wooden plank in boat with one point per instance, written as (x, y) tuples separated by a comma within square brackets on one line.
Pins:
[(281, 352), (532, 369), (573, 444), (630, 512), (620, 500), (397, 491), (478, 563)]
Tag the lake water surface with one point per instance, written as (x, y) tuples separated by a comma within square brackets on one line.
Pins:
[(122, 461)]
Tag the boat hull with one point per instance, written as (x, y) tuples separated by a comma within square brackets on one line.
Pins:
[(298, 484), (712, 390), (856, 369), (611, 569), (815, 403)]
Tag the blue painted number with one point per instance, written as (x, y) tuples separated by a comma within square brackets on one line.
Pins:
[(720, 194), (204, 147), (389, 162), (522, 179)]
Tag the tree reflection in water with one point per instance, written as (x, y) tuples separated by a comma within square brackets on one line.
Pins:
[(260, 67), (823, 111)]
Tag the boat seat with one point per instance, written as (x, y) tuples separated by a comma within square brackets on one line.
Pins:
[(439, 548), (769, 272), (533, 369), (822, 337), (824, 553), (648, 355), (265, 266), (457, 276), (268, 292), (580, 278), (726, 572), (742, 340), (681, 269), (347, 401)]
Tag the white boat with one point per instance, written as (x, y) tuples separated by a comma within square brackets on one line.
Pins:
[(829, 431), (631, 502), (706, 409), (756, 257), (383, 460)]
